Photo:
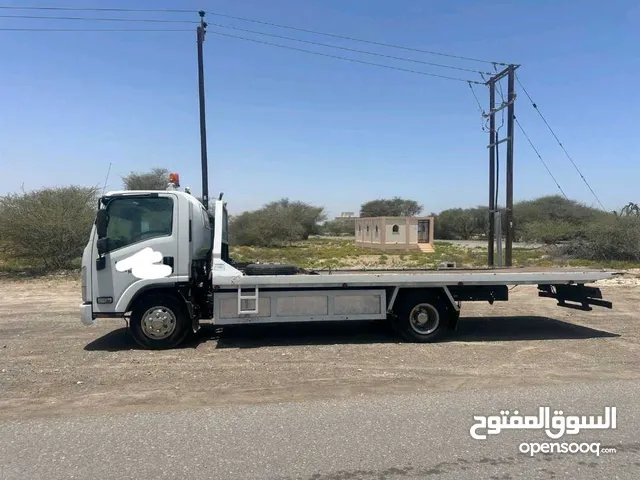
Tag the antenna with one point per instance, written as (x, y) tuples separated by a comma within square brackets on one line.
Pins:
[(106, 179)]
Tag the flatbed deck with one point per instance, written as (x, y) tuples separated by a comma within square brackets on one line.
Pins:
[(425, 278), (464, 270)]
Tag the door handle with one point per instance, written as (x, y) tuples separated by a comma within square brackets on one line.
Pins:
[(168, 261)]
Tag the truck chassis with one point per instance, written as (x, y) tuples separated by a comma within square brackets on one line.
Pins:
[(422, 307)]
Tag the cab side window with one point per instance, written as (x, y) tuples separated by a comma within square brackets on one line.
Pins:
[(135, 219), (205, 219)]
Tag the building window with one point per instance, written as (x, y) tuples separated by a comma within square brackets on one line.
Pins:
[(376, 230), (359, 228), (367, 228), (396, 230)]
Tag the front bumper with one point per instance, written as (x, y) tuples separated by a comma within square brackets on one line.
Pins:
[(86, 314)]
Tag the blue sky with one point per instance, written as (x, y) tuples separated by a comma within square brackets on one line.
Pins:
[(290, 124)]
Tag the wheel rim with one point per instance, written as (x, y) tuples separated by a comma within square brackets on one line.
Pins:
[(424, 318), (158, 323)]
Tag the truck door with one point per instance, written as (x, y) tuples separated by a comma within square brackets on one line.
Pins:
[(135, 223)]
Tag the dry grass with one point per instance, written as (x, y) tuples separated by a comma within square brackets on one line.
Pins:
[(342, 253)]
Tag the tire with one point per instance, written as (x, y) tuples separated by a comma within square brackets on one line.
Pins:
[(422, 316), (270, 269), (171, 326)]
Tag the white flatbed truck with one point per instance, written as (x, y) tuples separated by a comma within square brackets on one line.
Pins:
[(161, 260)]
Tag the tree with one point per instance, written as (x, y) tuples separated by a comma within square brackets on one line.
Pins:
[(263, 229), (340, 226), (393, 207), (614, 238), (555, 207), (456, 224), (156, 179), (630, 209), (47, 229), (277, 223), (550, 232), (298, 213), (553, 219), (480, 215)]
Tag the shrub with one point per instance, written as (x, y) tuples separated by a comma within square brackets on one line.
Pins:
[(277, 223), (337, 227), (456, 224), (548, 219), (553, 218), (296, 215), (617, 238), (47, 229), (550, 231), (390, 207), (156, 179)]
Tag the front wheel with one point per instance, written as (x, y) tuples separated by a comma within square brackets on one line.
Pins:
[(159, 322)]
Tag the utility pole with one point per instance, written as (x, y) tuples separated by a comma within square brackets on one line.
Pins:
[(494, 143), (203, 123), (511, 98), (492, 171)]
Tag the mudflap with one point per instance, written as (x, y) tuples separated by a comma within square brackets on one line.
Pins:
[(577, 296)]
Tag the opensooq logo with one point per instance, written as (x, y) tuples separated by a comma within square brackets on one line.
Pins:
[(145, 265), (555, 427)]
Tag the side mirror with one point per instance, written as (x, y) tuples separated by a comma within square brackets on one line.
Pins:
[(102, 245), (102, 220)]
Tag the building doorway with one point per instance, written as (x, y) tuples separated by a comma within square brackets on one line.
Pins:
[(423, 231)]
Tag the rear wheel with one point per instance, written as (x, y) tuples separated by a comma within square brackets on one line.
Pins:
[(159, 322), (422, 316)]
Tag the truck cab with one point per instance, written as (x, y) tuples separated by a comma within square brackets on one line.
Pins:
[(148, 246)]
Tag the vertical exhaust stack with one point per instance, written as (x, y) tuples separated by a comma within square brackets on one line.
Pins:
[(203, 124)]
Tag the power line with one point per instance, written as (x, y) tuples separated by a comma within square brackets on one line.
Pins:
[(499, 87), (535, 106), (480, 109), (353, 39), (144, 20), (288, 47), (32, 29), (251, 20), (355, 50), (476, 97), (101, 19), (540, 157), (97, 9)]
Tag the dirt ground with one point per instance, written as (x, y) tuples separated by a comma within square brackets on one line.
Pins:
[(50, 364)]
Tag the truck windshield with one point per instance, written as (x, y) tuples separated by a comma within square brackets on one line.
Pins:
[(134, 219)]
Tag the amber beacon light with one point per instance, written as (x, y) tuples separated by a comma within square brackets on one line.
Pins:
[(175, 179)]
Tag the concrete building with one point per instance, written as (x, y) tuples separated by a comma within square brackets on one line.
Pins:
[(395, 233), (346, 216)]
